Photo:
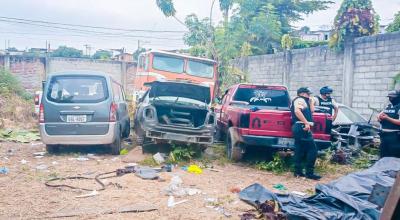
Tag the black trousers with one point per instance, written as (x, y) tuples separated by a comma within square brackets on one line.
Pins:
[(305, 148), (390, 144)]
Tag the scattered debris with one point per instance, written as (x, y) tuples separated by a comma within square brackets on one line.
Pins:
[(42, 153), (214, 170), (36, 143), (297, 193), (147, 173), (235, 190), (265, 202), (127, 209), (123, 152), (93, 193), (4, 170), (167, 167), (194, 169), (159, 158), (23, 161), (172, 203), (39, 157), (175, 188), (280, 187), (54, 162), (20, 136), (41, 167)]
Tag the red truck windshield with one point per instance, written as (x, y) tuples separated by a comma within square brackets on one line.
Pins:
[(263, 96)]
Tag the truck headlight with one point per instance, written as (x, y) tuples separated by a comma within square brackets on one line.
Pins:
[(150, 114)]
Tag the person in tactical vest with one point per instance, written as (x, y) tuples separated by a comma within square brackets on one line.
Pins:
[(302, 108), (325, 100), (390, 124)]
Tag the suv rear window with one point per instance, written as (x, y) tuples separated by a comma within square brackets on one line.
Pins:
[(263, 97), (77, 89)]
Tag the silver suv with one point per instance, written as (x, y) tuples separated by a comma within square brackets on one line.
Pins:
[(83, 108)]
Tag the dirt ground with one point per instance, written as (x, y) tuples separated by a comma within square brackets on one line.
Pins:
[(24, 195)]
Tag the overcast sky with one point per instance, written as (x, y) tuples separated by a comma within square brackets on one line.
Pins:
[(124, 14)]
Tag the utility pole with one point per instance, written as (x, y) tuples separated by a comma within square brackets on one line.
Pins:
[(88, 48)]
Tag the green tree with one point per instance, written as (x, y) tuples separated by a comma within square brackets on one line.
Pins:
[(64, 51), (286, 42), (395, 25), (253, 27), (102, 55), (355, 18)]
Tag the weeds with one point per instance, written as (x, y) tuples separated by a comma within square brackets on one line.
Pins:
[(10, 85), (183, 153), (278, 165)]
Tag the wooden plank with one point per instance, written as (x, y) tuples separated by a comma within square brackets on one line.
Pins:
[(392, 201)]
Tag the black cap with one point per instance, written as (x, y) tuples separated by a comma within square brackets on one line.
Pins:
[(394, 93), (303, 90)]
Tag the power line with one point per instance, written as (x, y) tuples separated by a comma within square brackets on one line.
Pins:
[(94, 27), (89, 31)]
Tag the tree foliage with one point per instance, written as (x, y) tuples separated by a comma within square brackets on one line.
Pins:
[(250, 27), (355, 18), (64, 51), (395, 25), (102, 55)]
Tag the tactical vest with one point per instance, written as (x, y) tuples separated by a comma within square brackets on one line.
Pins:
[(392, 112), (326, 103), (306, 111)]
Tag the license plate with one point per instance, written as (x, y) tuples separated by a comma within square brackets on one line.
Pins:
[(76, 118), (285, 141)]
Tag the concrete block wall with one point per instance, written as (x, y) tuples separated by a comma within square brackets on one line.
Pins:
[(361, 75), (58, 64), (315, 68), (376, 62), (29, 70)]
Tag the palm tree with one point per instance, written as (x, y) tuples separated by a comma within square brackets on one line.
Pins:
[(168, 9)]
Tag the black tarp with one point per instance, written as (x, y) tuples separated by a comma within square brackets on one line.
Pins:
[(344, 198)]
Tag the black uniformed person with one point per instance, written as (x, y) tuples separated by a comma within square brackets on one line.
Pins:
[(325, 100), (302, 109), (390, 123)]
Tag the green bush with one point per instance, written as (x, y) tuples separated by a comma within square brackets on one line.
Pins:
[(9, 85)]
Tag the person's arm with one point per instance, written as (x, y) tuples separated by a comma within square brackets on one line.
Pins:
[(391, 120), (335, 110), (312, 104), (298, 106)]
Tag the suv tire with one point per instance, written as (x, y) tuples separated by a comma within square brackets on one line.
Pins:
[(51, 149), (116, 145), (234, 149)]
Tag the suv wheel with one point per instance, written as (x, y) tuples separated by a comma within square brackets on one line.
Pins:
[(234, 150), (116, 145), (51, 149)]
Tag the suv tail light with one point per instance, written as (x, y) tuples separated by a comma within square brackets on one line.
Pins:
[(36, 99), (41, 114), (113, 112)]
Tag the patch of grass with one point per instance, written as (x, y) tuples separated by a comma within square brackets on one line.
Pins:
[(362, 162), (148, 161), (10, 85), (278, 165), (180, 154)]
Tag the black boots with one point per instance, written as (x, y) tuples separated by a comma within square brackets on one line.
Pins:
[(313, 176)]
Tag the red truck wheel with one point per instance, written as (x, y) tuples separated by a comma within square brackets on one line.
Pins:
[(233, 146)]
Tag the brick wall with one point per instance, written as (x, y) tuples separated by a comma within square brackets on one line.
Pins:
[(361, 75), (59, 64), (32, 70), (29, 70)]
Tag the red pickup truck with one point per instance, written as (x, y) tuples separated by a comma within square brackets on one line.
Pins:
[(259, 115)]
